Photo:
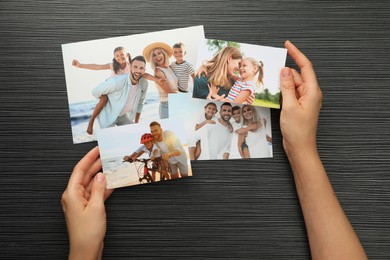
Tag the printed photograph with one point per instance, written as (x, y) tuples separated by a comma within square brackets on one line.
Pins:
[(144, 153), (239, 73), (222, 130), (125, 80)]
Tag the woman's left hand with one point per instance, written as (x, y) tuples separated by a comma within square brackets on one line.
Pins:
[(161, 81), (83, 206)]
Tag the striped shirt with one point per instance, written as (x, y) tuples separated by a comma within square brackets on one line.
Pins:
[(183, 71), (240, 86)]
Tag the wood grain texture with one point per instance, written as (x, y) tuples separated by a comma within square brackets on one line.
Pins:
[(235, 209)]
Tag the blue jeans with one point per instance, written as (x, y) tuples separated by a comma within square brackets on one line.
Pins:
[(163, 111)]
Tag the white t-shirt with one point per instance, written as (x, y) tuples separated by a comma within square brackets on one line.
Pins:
[(164, 149), (234, 152), (202, 118), (215, 140), (130, 100), (126, 70), (150, 152)]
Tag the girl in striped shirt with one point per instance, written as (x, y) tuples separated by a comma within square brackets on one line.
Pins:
[(244, 88)]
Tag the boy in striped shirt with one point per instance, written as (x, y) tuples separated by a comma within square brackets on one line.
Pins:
[(182, 68)]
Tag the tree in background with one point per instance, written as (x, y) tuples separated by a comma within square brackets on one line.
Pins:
[(216, 45), (267, 96)]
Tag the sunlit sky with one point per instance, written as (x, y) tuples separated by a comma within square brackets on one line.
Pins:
[(80, 82)]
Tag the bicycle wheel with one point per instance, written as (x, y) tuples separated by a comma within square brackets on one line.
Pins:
[(141, 175)]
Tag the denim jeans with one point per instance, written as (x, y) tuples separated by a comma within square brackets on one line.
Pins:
[(163, 111)]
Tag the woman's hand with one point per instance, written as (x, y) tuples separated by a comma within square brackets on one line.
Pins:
[(255, 127), (83, 206), (330, 234), (301, 104), (202, 70), (161, 81)]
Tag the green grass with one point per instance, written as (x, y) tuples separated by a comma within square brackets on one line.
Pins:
[(265, 103)]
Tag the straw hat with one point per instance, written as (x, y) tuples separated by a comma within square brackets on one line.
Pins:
[(152, 46)]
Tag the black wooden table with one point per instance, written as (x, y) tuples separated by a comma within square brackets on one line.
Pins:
[(234, 209)]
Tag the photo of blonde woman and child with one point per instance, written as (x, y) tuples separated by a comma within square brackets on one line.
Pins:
[(126, 80), (144, 153), (239, 73), (222, 130)]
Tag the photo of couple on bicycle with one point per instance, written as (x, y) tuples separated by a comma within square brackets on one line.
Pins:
[(144, 153)]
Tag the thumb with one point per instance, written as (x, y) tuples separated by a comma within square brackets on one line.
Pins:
[(98, 189), (287, 86)]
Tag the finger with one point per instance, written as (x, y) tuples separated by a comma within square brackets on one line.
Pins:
[(95, 168), (88, 189), (98, 190), (82, 166), (287, 86), (297, 78), (108, 193), (308, 74)]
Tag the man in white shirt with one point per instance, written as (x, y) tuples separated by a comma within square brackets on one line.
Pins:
[(126, 94), (215, 139), (171, 149)]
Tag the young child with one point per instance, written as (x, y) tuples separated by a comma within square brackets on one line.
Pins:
[(151, 149), (235, 151), (210, 109), (120, 65), (182, 68), (244, 88)]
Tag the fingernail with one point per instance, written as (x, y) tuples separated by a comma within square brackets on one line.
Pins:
[(286, 73), (100, 177)]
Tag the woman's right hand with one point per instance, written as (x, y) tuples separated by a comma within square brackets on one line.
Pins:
[(76, 63), (302, 99), (83, 206)]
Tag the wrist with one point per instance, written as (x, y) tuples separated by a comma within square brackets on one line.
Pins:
[(80, 252), (298, 154)]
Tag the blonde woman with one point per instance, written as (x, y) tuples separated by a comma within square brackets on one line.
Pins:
[(254, 133), (158, 54), (219, 71), (246, 85)]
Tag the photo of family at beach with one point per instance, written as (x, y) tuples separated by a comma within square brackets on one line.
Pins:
[(239, 73), (222, 130), (120, 85), (144, 153)]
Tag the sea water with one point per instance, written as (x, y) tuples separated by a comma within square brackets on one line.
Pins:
[(80, 113)]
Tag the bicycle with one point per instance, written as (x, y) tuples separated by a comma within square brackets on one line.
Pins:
[(147, 168)]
